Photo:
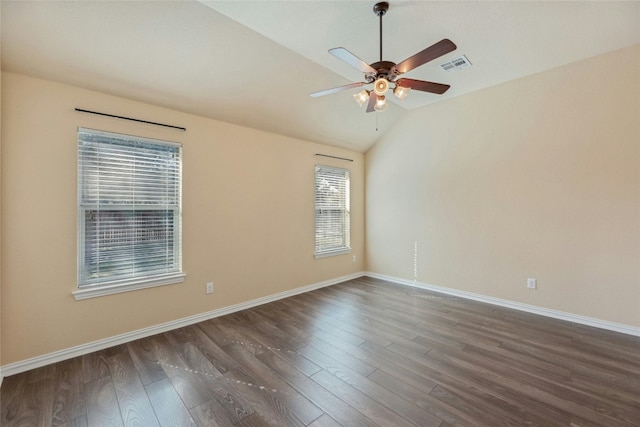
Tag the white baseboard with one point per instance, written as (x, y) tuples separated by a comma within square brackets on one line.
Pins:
[(556, 314), (58, 356)]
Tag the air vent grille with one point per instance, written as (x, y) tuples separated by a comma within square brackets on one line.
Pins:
[(456, 64)]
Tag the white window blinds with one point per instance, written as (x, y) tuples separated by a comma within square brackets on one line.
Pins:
[(129, 208), (332, 211)]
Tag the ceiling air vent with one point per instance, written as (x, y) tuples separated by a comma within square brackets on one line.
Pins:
[(456, 64)]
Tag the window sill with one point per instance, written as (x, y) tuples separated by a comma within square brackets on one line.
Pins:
[(127, 286), (332, 253)]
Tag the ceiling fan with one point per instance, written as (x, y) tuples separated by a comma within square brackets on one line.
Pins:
[(384, 73)]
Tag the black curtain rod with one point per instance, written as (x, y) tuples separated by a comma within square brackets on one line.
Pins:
[(334, 157), (129, 118)]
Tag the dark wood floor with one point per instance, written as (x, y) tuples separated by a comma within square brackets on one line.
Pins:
[(362, 353)]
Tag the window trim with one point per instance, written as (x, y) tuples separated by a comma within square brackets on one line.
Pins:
[(127, 284), (347, 208), (116, 287), (325, 254)]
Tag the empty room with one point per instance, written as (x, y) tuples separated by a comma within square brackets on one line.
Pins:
[(320, 213)]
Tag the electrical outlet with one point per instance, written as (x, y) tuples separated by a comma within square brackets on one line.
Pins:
[(532, 284), (354, 258), (209, 288)]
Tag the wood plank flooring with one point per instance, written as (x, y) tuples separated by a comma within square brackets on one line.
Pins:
[(362, 353)]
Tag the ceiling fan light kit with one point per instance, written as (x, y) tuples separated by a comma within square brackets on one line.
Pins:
[(384, 73), (401, 92), (362, 97), (381, 104), (381, 86)]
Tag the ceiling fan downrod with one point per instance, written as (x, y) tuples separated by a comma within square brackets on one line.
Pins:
[(380, 9)]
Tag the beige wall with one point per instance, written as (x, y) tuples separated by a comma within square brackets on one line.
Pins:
[(248, 221), (539, 177)]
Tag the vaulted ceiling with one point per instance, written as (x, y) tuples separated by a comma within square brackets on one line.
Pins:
[(254, 63)]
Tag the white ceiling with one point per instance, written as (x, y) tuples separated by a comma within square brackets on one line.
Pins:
[(254, 63)]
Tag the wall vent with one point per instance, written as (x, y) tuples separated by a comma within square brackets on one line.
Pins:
[(456, 64)]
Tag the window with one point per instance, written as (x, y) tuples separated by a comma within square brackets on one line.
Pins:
[(332, 211), (129, 213)]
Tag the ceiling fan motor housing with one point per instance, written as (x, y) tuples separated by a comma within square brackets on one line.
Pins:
[(385, 69)]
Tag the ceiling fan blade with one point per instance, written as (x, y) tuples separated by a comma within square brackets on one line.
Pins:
[(443, 47), (438, 88), (372, 102), (348, 57), (336, 89)]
